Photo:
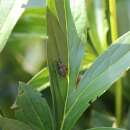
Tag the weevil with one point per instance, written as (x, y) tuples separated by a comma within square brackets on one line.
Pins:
[(78, 79), (62, 69)]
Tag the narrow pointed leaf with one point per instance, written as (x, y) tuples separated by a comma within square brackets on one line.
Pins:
[(74, 46), (108, 68), (64, 48), (40, 81), (57, 54), (81, 23), (98, 23), (10, 11), (80, 17)]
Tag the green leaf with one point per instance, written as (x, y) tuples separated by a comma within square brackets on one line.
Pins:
[(57, 53), (31, 25), (28, 40), (98, 24), (105, 128), (9, 17), (64, 46), (99, 119), (10, 124), (82, 27), (32, 109), (126, 87), (40, 81), (80, 17), (81, 23), (108, 68), (128, 120), (75, 48)]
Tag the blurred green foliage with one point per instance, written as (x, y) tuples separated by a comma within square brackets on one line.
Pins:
[(25, 55)]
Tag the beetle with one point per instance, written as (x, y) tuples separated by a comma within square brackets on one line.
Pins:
[(78, 79), (62, 69)]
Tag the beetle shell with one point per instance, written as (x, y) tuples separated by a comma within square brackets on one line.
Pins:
[(62, 69), (78, 79)]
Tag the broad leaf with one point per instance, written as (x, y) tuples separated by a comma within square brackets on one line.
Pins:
[(32, 109), (9, 17), (104, 72), (105, 128), (10, 124)]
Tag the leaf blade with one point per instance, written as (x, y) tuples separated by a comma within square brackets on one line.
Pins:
[(10, 124), (38, 114), (98, 79), (8, 18), (106, 128), (40, 81)]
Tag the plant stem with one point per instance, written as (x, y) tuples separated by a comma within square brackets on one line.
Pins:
[(113, 19), (118, 100), (118, 84)]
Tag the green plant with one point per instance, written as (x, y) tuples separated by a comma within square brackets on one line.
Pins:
[(74, 87)]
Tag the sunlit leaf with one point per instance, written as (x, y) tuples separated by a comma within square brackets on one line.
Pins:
[(40, 81), (104, 72), (28, 40), (9, 17), (80, 17)]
